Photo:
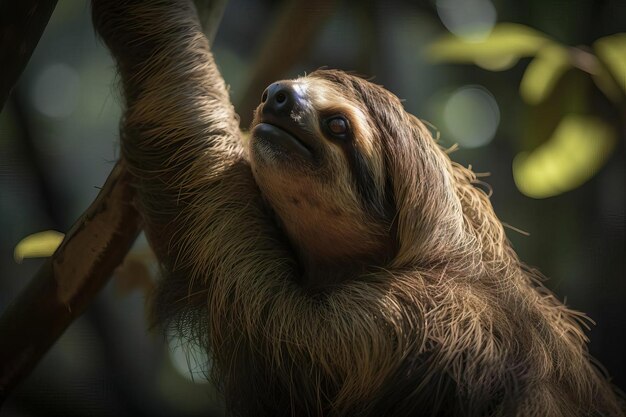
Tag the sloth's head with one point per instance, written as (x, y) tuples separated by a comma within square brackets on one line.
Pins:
[(350, 174)]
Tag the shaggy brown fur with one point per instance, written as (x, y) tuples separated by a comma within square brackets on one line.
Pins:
[(447, 322)]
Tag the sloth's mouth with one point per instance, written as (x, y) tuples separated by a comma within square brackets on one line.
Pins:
[(287, 135), (281, 137)]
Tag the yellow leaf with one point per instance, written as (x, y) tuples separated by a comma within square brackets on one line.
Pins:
[(612, 52), (504, 46), (38, 245), (578, 148), (543, 73), (605, 82)]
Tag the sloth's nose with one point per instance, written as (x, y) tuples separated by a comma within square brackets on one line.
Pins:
[(279, 98)]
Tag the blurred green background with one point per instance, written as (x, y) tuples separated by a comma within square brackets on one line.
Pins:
[(533, 93)]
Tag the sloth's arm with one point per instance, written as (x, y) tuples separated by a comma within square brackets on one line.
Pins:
[(202, 210)]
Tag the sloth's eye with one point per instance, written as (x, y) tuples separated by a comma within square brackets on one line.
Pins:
[(337, 126)]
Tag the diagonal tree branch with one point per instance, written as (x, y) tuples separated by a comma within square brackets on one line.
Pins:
[(68, 282)]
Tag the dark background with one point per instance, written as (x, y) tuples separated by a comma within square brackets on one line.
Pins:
[(58, 142)]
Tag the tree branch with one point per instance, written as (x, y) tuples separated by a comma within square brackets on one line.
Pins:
[(68, 281)]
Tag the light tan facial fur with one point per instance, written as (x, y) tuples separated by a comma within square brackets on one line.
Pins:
[(317, 203)]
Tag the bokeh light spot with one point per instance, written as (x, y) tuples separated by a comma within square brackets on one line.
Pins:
[(471, 20), (471, 116), (188, 360), (55, 90)]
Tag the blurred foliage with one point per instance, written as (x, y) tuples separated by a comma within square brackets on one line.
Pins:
[(505, 45), (543, 72), (612, 52), (577, 149), (570, 153), (38, 245)]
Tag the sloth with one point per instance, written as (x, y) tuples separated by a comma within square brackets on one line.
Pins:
[(336, 262)]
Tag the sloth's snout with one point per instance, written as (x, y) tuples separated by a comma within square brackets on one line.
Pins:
[(282, 120), (280, 99)]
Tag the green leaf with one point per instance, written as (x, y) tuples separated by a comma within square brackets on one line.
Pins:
[(543, 72), (612, 52), (505, 45), (38, 245), (578, 148)]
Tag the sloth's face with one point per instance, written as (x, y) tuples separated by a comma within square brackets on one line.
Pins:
[(317, 160)]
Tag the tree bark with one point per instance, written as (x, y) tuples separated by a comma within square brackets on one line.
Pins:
[(68, 281)]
